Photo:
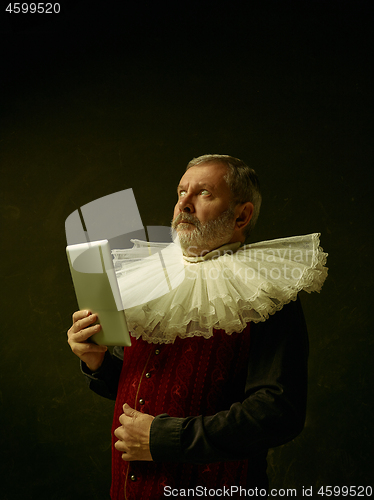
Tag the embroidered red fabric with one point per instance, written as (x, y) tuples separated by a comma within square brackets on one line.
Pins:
[(193, 376)]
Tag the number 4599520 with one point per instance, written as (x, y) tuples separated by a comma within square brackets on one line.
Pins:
[(346, 491), (33, 8)]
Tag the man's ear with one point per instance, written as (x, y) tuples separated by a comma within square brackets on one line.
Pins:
[(244, 214)]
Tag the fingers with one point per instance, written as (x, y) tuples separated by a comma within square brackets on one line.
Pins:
[(121, 445), (83, 320), (120, 434), (133, 439), (79, 339), (83, 348), (80, 315), (83, 326)]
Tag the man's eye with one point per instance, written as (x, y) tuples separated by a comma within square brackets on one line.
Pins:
[(204, 191), (182, 193)]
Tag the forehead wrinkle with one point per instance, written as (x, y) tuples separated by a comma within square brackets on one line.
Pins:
[(203, 176)]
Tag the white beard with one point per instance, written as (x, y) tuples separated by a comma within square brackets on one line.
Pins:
[(205, 237)]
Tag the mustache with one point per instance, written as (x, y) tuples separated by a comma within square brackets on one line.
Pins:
[(186, 217)]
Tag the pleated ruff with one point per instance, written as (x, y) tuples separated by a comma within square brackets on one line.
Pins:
[(190, 377), (166, 295)]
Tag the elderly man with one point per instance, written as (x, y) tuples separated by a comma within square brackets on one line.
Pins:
[(197, 412)]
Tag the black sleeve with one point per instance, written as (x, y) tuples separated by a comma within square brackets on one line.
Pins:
[(272, 413), (105, 380)]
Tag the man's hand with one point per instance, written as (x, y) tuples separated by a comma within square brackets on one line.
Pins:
[(78, 335), (133, 435)]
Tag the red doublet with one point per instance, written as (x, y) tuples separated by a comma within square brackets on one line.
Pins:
[(191, 377)]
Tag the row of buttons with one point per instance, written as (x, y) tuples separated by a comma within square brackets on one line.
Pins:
[(142, 402), (148, 375)]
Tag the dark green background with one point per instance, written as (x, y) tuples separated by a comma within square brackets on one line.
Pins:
[(101, 98)]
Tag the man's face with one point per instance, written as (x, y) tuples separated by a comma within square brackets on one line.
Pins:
[(202, 216)]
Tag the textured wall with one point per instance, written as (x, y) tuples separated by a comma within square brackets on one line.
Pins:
[(97, 100)]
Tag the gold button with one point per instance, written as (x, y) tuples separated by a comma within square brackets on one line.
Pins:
[(133, 478), (141, 401), (148, 375), (157, 351)]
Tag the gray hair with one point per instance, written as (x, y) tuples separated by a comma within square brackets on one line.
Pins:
[(241, 180)]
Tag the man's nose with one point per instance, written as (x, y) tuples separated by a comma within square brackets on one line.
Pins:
[(186, 205)]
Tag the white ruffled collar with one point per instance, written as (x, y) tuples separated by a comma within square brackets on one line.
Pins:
[(166, 295), (229, 247)]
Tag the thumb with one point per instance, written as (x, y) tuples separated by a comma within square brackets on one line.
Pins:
[(128, 411)]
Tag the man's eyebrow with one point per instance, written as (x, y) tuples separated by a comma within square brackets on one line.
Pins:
[(201, 185)]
